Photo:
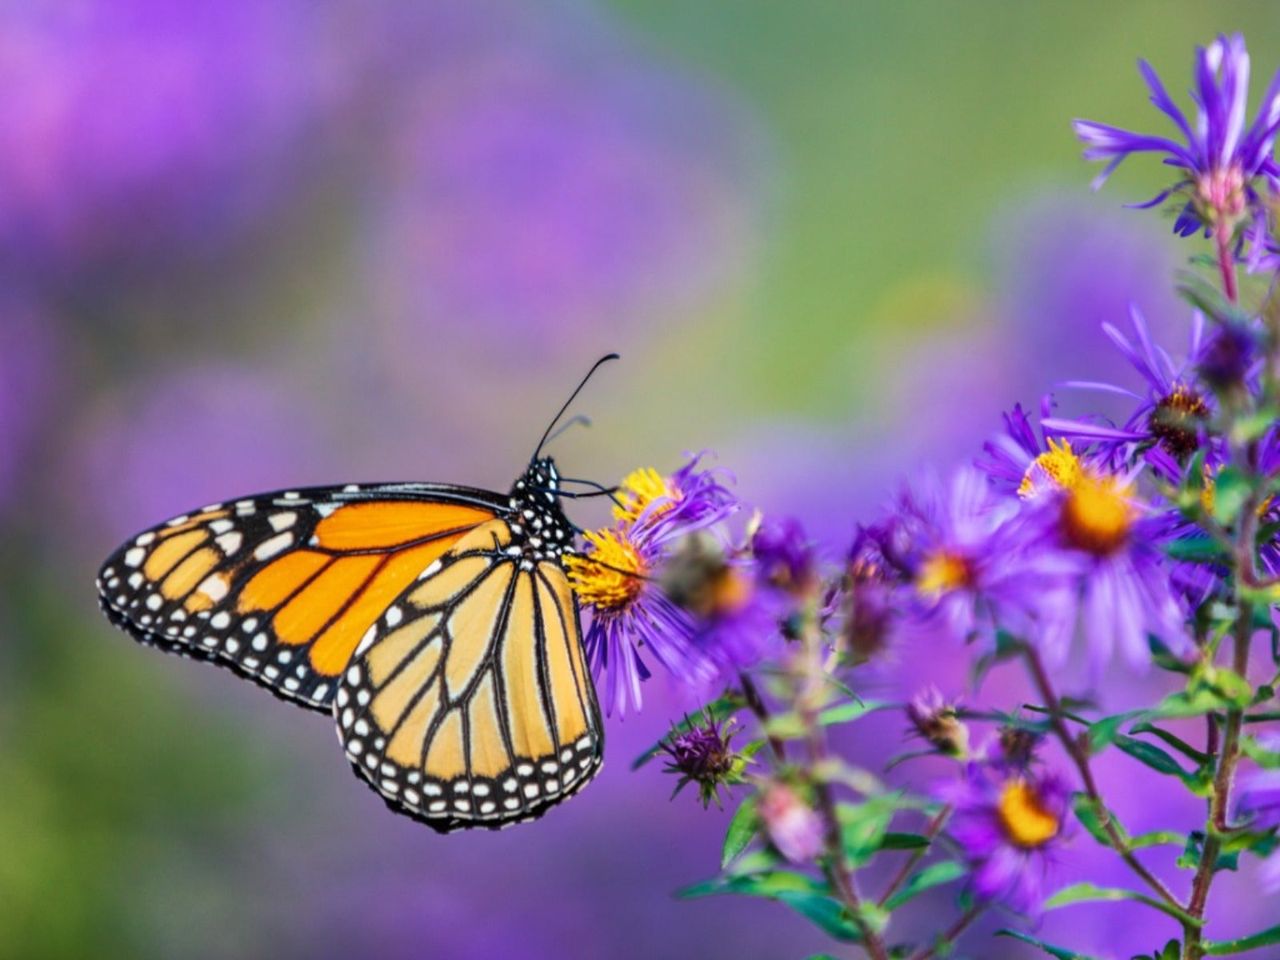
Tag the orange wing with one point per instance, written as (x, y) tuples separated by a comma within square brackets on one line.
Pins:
[(469, 702), (282, 587)]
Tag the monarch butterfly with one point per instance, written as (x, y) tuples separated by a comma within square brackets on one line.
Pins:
[(434, 621)]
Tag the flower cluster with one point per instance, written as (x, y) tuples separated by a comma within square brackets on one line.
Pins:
[(1144, 533)]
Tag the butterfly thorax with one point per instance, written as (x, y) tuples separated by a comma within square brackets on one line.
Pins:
[(539, 528)]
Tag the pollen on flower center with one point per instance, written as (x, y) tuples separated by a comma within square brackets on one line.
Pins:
[(1058, 468), (610, 577), (942, 572), (638, 489), (1097, 515), (1023, 816), (1176, 419)]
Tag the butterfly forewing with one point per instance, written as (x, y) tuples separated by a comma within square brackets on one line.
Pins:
[(282, 587), (469, 703)]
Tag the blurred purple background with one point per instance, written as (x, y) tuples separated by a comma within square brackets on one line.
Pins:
[(247, 245)]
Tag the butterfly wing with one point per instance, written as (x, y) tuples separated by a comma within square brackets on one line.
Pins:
[(469, 704), (282, 587)]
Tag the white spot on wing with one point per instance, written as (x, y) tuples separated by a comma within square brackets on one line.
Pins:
[(269, 548)]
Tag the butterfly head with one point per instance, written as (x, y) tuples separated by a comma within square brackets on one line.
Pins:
[(538, 523)]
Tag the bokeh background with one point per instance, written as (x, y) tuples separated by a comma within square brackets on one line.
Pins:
[(246, 245)]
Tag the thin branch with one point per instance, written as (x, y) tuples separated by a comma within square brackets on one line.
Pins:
[(1080, 757)]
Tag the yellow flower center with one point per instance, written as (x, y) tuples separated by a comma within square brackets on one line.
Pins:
[(1058, 468), (942, 572), (1097, 514), (610, 577), (1023, 816), (638, 489)]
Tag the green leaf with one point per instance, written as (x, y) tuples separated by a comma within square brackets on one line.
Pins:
[(1262, 756), (1230, 491), (1102, 733), (863, 827), (767, 884), (1090, 893), (1158, 838), (1155, 758), (1199, 757), (1090, 818), (1197, 550), (807, 896), (742, 829), (1062, 953), (785, 726), (904, 841), (1194, 703), (826, 913), (1254, 425), (848, 712), (717, 710), (934, 875), (1264, 938)]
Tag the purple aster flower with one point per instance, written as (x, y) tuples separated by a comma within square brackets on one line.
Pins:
[(870, 595), (1023, 462), (630, 610), (784, 556), (140, 128), (936, 720), (1169, 421), (691, 499), (964, 556), (736, 614), (1116, 590), (1259, 803), (631, 616), (701, 754), (1219, 160), (1007, 824), (794, 827)]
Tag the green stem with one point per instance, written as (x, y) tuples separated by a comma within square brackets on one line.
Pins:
[(1220, 801), (931, 832), (952, 933), (1080, 757)]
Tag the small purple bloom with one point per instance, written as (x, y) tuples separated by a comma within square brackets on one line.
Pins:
[(701, 754), (784, 555), (964, 555), (1259, 803), (1220, 161), (691, 499), (936, 720), (1007, 824), (736, 616), (794, 828), (1169, 421)]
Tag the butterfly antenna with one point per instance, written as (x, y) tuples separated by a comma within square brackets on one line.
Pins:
[(580, 419), (573, 396)]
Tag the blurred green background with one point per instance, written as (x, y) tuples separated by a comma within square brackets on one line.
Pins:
[(257, 246)]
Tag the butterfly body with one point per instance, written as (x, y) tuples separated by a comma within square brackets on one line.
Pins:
[(435, 622)]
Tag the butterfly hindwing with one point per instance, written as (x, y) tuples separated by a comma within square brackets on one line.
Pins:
[(469, 703), (282, 587)]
